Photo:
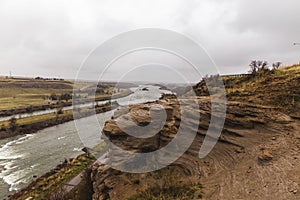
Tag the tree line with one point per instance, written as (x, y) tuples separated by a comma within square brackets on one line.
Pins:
[(257, 66)]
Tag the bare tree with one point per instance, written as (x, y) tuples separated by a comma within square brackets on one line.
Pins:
[(264, 65), (253, 67), (276, 65), (257, 65)]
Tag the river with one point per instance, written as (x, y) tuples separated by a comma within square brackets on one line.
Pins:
[(23, 157)]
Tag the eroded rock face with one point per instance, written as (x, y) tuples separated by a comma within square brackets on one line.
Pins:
[(230, 171), (143, 128)]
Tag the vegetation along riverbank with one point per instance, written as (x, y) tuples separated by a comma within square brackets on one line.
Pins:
[(33, 124)]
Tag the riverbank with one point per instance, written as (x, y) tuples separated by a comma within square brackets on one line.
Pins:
[(35, 123), (24, 157), (60, 104), (48, 185), (53, 184), (30, 109)]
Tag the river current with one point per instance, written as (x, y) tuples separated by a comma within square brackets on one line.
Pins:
[(24, 157)]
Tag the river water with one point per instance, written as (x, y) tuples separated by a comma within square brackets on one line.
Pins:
[(23, 157)]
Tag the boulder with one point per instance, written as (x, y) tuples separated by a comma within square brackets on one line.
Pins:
[(264, 154)]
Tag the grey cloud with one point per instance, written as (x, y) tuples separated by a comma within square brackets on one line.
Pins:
[(52, 38)]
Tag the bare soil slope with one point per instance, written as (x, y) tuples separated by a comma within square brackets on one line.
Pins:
[(256, 157)]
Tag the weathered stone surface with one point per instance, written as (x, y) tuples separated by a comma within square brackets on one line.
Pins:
[(226, 171)]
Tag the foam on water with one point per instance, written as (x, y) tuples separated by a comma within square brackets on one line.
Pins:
[(8, 157), (77, 149), (16, 179), (60, 138)]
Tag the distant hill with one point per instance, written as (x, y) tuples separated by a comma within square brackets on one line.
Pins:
[(278, 87)]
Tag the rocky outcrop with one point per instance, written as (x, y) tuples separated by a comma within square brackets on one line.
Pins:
[(265, 154), (232, 170)]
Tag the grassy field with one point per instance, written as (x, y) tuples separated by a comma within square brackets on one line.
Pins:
[(16, 93), (279, 88), (37, 119), (33, 124)]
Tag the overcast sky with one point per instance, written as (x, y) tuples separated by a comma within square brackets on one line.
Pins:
[(53, 37)]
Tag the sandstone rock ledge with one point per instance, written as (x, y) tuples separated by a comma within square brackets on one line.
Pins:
[(231, 171)]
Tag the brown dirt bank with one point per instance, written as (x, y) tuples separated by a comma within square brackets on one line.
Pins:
[(257, 157)]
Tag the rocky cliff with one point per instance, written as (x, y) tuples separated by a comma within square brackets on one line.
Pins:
[(256, 157)]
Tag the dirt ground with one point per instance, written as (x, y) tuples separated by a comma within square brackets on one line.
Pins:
[(257, 157), (241, 175)]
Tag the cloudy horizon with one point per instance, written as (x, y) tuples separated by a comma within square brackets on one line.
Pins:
[(52, 38)]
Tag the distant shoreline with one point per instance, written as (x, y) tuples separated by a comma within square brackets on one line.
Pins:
[(5, 132), (30, 109)]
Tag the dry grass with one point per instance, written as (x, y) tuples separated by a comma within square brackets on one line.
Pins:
[(19, 93), (22, 93), (279, 88), (37, 119), (169, 186)]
